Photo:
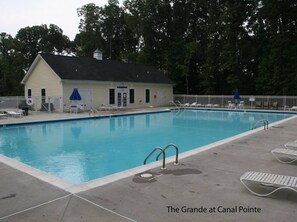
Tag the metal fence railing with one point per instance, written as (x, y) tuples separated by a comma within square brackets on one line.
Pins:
[(50, 104), (260, 101), (36, 103)]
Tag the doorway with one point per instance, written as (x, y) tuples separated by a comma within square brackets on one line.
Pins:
[(122, 96)]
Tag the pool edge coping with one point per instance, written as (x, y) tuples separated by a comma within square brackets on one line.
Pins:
[(77, 188)]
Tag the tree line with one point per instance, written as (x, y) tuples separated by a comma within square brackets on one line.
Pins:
[(205, 47)]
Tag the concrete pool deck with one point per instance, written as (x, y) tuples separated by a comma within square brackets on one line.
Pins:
[(208, 181)]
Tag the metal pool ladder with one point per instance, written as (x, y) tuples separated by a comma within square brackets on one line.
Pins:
[(162, 151), (262, 121)]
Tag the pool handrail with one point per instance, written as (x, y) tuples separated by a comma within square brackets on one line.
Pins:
[(151, 153), (176, 152), (173, 103), (264, 121)]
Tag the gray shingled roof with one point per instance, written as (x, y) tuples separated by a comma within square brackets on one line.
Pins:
[(82, 68)]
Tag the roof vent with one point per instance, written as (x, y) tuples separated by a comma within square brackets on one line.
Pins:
[(97, 54)]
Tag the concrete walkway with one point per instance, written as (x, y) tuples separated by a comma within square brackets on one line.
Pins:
[(207, 182)]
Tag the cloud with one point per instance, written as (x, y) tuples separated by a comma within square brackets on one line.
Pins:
[(16, 14)]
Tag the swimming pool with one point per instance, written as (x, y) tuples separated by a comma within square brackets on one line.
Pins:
[(82, 150)]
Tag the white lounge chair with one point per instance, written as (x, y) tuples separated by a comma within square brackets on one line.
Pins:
[(278, 182), (181, 104), (241, 105), (109, 108), (288, 153), (76, 108), (231, 105), (15, 113), (3, 115), (291, 144)]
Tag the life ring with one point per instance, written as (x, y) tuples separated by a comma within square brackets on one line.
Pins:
[(29, 101)]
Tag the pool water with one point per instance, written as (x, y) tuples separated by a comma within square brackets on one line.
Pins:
[(82, 150)]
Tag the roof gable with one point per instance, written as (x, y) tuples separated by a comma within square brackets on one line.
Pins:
[(81, 68), (33, 66)]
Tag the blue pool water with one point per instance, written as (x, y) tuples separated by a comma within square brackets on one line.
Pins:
[(83, 150)]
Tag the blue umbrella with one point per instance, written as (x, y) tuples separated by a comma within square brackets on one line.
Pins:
[(75, 95), (236, 94)]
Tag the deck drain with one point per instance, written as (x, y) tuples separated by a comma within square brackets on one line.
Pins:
[(146, 175)]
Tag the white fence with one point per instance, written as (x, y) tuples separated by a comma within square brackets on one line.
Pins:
[(261, 101), (36, 103), (56, 103)]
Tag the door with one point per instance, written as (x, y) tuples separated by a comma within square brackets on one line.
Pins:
[(122, 96), (122, 99), (160, 98)]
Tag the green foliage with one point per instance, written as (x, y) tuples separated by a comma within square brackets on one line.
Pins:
[(17, 54), (205, 47)]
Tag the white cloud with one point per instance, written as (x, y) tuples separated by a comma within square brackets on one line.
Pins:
[(17, 14)]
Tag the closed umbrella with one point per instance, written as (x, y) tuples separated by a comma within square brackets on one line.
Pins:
[(75, 95), (236, 95)]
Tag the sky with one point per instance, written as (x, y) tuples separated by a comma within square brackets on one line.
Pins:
[(17, 14)]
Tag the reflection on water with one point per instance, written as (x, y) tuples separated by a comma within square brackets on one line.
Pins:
[(79, 151)]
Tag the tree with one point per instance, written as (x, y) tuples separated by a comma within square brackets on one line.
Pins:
[(205, 47), (32, 40), (10, 67), (89, 37), (17, 54), (275, 26)]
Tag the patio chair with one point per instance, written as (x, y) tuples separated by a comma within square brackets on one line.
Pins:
[(231, 105), (288, 153), (2, 115), (293, 108), (181, 104), (275, 105), (109, 107), (292, 144), (266, 105), (258, 104), (241, 105), (276, 181), (76, 108), (13, 113)]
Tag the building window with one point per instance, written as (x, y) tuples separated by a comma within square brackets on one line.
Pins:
[(43, 95), (111, 96), (147, 96), (29, 92), (131, 92)]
